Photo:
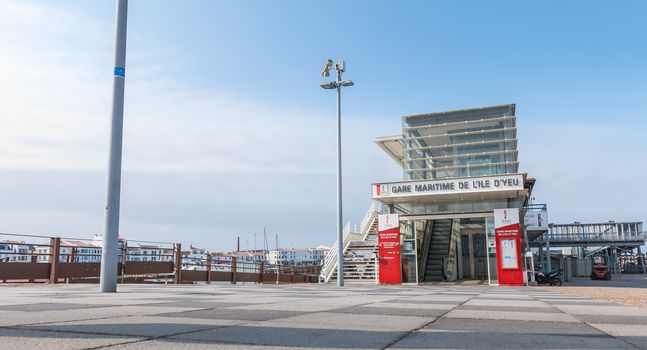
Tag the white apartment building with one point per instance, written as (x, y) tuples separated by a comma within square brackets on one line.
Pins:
[(297, 256), (147, 252), (15, 251), (5, 248)]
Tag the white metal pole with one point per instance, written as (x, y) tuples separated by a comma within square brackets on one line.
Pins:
[(110, 252), (340, 223)]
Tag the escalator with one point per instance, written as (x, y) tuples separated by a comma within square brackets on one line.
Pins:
[(441, 232)]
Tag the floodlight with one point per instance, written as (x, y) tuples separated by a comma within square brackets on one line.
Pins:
[(326, 69), (346, 83), (330, 85)]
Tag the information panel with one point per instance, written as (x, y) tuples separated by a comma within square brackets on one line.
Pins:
[(388, 241), (509, 254), (507, 231)]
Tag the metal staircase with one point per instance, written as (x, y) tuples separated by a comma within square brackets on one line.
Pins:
[(438, 250), (360, 258), (360, 250)]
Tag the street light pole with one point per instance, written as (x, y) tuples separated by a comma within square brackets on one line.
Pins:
[(338, 84), (110, 251), (340, 220)]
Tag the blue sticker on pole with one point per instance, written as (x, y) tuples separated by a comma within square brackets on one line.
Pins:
[(120, 72)]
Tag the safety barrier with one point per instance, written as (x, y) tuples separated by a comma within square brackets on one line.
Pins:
[(32, 258)]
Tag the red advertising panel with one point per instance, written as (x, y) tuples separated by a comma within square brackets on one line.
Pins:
[(388, 241), (508, 247)]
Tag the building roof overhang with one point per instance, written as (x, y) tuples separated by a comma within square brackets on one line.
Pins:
[(393, 146)]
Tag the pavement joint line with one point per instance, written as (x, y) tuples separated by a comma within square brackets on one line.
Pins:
[(398, 339), (590, 325), (18, 326), (93, 319), (145, 339)]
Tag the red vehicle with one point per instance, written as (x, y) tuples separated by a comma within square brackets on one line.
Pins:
[(600, 268)]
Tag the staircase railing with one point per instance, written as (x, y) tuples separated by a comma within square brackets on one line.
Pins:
[(331, 258), (449, 266), (424, 252), (349, 235)]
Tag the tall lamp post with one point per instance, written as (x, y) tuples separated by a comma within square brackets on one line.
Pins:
[(110, 251), (338, 84)]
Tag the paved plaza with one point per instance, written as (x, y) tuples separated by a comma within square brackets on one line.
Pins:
[(312, 316)]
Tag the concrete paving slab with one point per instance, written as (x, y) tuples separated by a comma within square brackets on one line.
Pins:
[(144, 326), (634, 334), (329, 320), (391, 311), (456, 299), (29, 339), (505, 296), (603, 310), (410, 301), (511, 315), (613, 319), (502, 302), (509, 308), (197, 304), (17, 318), (421, 306), (441, 339), (299, 337), (510, 326), (39, 307), (171, 344), (233, 314)]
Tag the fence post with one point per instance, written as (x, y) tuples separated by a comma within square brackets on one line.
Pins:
[(233, 270), (178, 263), (209, 268), (278, 272), (261, 272), (70, 260), (124, 258), (33, 259), (292, 273), (55, 245)]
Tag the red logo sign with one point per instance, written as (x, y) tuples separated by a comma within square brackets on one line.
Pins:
[(388, 241)]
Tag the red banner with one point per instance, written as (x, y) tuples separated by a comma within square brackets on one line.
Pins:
[(507, 232), (388, 241)]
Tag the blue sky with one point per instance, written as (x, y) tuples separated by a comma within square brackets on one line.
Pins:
[(227, 130)]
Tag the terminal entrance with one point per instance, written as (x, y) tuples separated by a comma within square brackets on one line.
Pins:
[(474, 256), (450, 249)]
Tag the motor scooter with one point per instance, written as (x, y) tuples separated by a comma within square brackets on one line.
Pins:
[(553, 278)]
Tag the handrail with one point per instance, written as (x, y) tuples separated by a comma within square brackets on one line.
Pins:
[(331, 259), (597, 237)]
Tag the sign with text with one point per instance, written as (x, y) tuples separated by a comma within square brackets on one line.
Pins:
[(507, 233), (388, 242), (536, 220), (448, 186)]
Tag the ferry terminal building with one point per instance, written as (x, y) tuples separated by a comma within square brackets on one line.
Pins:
[(460, 170)]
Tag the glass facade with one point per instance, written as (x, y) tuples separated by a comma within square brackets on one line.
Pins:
[(456, 144), (462, 143)]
